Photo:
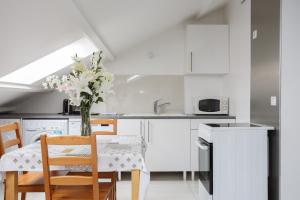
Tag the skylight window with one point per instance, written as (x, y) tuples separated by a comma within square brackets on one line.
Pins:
[(14, 86), (51, 63)]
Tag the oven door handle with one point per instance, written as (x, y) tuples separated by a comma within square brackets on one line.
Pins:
[(201, 145)]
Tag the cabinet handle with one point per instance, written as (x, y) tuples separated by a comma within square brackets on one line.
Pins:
[(144, 130), (141, 128), (148, 131), (191, 61)]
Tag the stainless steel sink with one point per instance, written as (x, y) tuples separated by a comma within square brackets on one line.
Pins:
[(153, 114)]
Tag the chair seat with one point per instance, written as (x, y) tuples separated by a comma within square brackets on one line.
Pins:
[(31, 182), (81, 192), (32, 178)]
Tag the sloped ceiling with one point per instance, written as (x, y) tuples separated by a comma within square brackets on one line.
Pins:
[(122, 24), (32, 29)]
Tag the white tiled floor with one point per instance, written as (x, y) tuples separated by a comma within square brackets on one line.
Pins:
[(162, 187)]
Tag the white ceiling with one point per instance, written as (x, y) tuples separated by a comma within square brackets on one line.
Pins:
[(32, 29), (125, 23)]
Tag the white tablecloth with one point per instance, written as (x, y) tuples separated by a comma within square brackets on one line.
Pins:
[(115, 153)]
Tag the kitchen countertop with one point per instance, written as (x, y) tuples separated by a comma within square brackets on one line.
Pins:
[(113, 116)]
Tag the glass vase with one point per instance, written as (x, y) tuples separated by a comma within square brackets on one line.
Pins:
[(85, 120)]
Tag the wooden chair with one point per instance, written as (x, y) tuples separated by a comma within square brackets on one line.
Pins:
[(106, 122), (27, 182), (73, 187)]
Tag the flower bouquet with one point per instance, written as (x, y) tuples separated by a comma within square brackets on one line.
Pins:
[(84, 86)]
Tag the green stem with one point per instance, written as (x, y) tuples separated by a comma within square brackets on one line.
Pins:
[(85, 120)]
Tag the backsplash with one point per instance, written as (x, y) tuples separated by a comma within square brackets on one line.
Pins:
[(134, 93)]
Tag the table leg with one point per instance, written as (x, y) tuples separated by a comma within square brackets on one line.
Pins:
[(11, 186), (135, 184)]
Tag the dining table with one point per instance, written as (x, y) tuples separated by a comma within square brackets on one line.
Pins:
[(122, 153)]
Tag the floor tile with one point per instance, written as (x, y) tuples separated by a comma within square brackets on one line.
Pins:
[(163, 186)]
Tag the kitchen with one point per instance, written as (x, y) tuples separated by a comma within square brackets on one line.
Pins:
[(190, 68)]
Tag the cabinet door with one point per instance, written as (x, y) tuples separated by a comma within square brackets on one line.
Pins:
[(8, 121), (207, 49), (168, 144), (75, 127), (131, 127)]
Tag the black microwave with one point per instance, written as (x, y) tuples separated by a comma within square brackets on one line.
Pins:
[(69, 109)]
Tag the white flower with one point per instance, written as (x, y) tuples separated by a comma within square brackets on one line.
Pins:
[(79, 67), (45, 85), (84, 85), (64, 78)]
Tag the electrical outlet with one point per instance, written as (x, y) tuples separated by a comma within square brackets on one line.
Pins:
[(273, 101), (254, 34)]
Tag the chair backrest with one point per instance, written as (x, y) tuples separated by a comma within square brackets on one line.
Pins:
[(69, 180), (106, 122), (10, 129)]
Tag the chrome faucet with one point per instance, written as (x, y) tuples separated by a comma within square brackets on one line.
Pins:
[(158, 106)]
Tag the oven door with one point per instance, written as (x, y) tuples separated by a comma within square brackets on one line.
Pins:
[(205, 150)]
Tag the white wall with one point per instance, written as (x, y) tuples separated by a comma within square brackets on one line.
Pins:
[(215, 17), (47, 102), (138, 96), (290, 98), (130, 97), (201, 86), (163, 54), (237, 82)]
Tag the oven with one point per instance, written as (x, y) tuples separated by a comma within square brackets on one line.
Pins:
[(205, 154)]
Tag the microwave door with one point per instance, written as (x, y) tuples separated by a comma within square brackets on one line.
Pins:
[(209, 105)]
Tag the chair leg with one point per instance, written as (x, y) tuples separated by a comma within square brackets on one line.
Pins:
[(111, 195), (4, 188), (115, 193), (115, 185), (23, 196)]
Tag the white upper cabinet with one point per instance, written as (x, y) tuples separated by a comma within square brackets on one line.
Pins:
[(207, 49)]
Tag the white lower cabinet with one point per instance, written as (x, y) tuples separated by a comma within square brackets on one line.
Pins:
[(131, 127), (74, 127), (8, 121), (168, 144)]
